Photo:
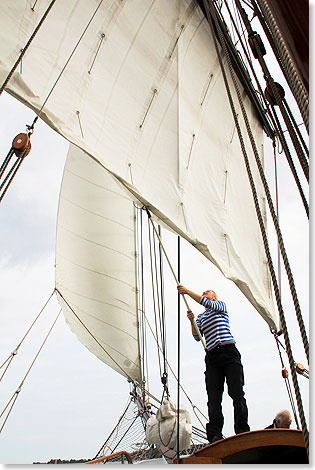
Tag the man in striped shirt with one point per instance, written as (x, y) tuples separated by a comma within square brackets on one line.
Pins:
[(223, 362)]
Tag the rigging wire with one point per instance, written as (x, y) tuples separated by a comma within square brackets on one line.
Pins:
[(286, 64), (287, 153), (144, 339), (136, 443), (25, 48), (162, 345), (292, 128), (66, 64), (159, 299), (274, 122), (14, 353), (210, 7), (278, 126), (240, 36), (296, 127), (286, 380), (267, 192), (141, 385), (17, 392), (97, 341), (141, 301), (194, 407), (20, 148), (278, 100), (243, 29), (273, 88), (102, 449), (173, 272), (277, 212), (273, 116), (164, 342), (178, 343), (20, 155), (153, 295)]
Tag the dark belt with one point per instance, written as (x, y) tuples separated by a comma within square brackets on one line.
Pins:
[(221, 345)]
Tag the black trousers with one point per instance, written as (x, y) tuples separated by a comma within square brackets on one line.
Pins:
[(224, 363)]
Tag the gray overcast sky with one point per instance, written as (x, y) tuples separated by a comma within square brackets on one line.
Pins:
[(71, 401)]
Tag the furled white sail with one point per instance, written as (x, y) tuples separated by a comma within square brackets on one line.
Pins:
[(96, 263), (143, 95)]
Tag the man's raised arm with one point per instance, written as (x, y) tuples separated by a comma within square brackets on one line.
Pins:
[(183, 290)]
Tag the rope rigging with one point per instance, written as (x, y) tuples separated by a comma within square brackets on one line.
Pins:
[(159, 322), (27, 45), (271, 113), (159, 294), (275, 221), (281, 53), (141, 385), (141, 299), (178, 343), (287, 153), (163, 321), (17, 392), (266, 188), (274, 90), (21, 147), (14, 353), (97, 341), (285, 376), (194, 407), (67, 62), (159, 335), (174, 275), (210, 10)]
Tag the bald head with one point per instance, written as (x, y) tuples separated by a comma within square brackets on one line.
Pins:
[(283, 419)]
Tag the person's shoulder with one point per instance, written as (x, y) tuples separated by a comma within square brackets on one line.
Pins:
[(204, 301), (219, 305), (222, 303)]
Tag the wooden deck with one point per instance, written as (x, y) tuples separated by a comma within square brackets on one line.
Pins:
[(268, 446)]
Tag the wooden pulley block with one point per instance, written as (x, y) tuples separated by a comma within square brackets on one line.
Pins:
[(285, 373), (270, 96), (21, 145), (299, 368)]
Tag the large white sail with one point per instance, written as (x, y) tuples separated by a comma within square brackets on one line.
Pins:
[(144, 96), (96, 263)]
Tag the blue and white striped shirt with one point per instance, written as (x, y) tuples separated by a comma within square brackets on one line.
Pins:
[(213, 323)]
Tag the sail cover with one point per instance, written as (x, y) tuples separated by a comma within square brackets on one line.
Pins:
[(143, 95), (95, 263)]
